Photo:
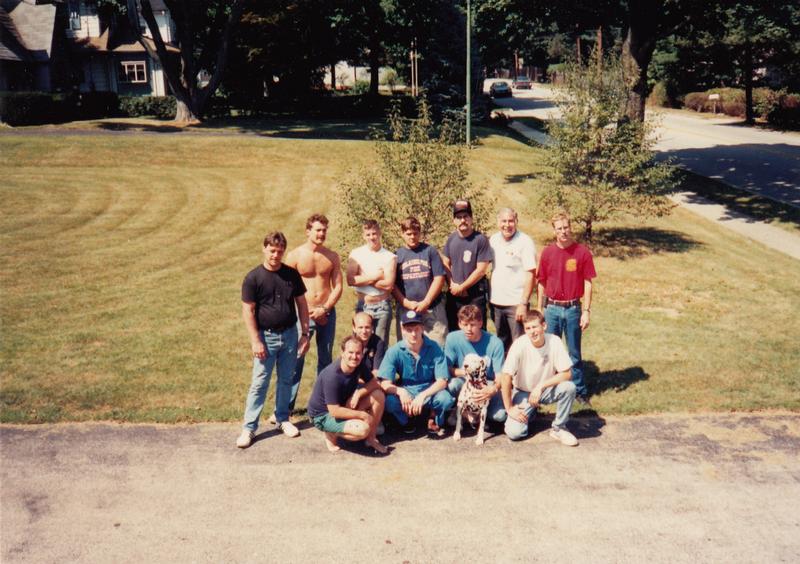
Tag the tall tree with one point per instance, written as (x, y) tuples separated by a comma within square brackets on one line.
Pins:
[(203, 31)]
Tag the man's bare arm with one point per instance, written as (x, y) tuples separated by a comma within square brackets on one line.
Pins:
[(356, 278), (387, 282), (249, 317), (472, 279), (336, 283), (302, 313), (587, 304), (540, 297)]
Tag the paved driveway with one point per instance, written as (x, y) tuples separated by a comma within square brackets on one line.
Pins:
[(706, 488), (766, 162)]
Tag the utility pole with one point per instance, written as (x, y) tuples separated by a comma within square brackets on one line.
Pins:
[(469, 75)]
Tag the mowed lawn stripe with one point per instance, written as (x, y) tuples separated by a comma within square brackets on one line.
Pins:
[(122, 259)]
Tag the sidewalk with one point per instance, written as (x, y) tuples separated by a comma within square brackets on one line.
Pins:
[(674, 488), (772, 237)]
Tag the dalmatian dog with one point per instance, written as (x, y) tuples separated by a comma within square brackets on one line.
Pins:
[(468, 407)]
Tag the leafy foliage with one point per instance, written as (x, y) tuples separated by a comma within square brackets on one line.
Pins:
[(603, 164), (421, 171)]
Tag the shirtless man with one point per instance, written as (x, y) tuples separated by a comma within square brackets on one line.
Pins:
[(322, 275)]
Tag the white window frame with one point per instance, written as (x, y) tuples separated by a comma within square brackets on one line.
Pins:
[(138, 77)]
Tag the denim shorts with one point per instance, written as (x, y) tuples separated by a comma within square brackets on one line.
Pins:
[(328, 423)]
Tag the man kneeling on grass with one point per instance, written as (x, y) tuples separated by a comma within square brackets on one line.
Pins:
[(538, 368), (339, 408)]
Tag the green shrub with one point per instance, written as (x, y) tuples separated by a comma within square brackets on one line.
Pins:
[(162, 107), (421, 171), (93, 105), (361, 87), (603, 163), (36, 108), (696, 101), (786, 114), (659, 97)]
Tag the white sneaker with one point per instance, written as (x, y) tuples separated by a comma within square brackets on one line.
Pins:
[(565, 437), (289, 429), (245, 439), (272, 420)]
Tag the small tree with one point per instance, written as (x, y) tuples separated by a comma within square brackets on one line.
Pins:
[(603, 163), (421, 171)]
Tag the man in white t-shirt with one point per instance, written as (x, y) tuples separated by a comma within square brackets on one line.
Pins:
[(537, 371), (371, 272), (513, 276)]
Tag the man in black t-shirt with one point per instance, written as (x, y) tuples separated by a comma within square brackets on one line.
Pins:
[(273, 296), (339, 408), (374, 347)]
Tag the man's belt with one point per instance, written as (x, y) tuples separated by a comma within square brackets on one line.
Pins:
[(568, 303)]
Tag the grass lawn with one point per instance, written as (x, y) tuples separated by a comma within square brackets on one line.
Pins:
[(122, 257)]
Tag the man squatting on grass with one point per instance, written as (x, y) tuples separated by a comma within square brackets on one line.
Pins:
[(270, 293), (371, 271), (537, 371), (566, 270), (414, 376), (320, 268), (339, 408)]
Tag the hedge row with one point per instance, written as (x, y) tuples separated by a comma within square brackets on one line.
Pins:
[(779, 108), (35, 108)]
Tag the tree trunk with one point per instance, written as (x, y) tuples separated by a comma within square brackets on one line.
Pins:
[(184, 113), (374, 66), (333, 76), (749, 114), (637, 50)]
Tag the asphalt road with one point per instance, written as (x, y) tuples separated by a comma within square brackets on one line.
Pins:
[(766, 162), (701, 488)]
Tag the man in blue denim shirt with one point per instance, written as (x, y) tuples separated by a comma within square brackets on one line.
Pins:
[(414, 375), (270, 294)]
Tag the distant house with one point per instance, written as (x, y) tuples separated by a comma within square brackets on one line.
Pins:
[(67, 45)]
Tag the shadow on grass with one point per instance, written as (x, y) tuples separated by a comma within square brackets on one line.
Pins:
[(519, 178), (739, 203), (295, 128), (154, 127), (611, 380), (278, 127), (636, 242)]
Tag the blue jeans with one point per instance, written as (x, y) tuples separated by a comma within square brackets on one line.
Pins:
[(324, 336), (562, 394), (494, 412), (381, 313), (441, 403), (566, 321), (281, 348)]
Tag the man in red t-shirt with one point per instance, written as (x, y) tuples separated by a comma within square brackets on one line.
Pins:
[(565, 275)]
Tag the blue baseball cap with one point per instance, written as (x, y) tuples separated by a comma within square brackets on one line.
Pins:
[(410, 317)]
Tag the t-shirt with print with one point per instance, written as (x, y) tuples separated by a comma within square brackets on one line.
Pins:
[(563, 271), (465, 253), (529, 365), (416, 269)]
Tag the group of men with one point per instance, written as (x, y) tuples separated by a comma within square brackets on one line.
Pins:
[(286, 303)]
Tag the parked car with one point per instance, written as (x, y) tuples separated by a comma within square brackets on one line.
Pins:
[(499, 89), (522, 83)]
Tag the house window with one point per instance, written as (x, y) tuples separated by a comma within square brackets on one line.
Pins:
[(132, 71), (74, 14)]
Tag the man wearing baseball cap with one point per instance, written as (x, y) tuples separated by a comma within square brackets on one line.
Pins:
[(414, 375), (466, 257)]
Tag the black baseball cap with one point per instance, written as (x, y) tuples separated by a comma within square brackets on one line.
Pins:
[(462, 206), (410, 317)]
